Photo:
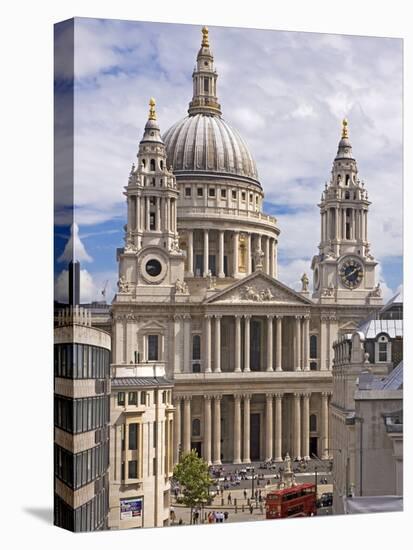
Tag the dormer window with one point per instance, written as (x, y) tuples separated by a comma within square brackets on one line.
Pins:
[(383, 349)]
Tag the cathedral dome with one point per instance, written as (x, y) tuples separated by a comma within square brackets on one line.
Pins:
[(204, 144)]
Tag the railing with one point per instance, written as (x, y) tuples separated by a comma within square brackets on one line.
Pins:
[(223, 211)]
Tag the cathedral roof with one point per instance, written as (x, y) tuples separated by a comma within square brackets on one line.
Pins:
[(203, 143), (206, 143)]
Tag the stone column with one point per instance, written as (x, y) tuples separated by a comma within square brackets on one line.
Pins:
[(297, 343), (272, 258), (324, 426), (296, 426), (177, 428), (206, 252), (247, 343), (237, 429), (269, 342), (267, 255), (166, 215), (138, 213), (278, 345), (235, 248), (237, 343), (324, 319), (158, 213), (207, 352), (187, 343), (278, 427), (187, 424), (147, 213), (221, 273), (268, 426), (306, 343), (217, 343), (217, 429), (190, 263), (249, 253), (177, 343), (207, 428), (246, 445), (305, 444)]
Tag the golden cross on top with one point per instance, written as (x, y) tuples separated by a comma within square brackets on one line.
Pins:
[(205, 37), (344, 132), (152, 112)]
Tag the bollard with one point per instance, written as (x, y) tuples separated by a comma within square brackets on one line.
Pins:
[(222, 502)]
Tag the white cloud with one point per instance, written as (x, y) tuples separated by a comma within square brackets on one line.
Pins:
[(285, 91), (91, 286), (74, 249)]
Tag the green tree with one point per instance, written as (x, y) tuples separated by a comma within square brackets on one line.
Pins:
[(193, 476)]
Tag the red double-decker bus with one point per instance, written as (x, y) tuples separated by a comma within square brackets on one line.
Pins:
[(298, 501)]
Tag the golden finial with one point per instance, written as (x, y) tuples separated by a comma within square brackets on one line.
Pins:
[(344, 131), (205, 42), (152, 112)]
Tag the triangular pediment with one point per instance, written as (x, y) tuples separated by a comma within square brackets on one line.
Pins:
[(259, 288)]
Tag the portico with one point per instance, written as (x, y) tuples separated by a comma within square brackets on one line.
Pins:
[(246, 426)]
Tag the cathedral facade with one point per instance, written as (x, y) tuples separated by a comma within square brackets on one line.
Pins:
[(200, 302)]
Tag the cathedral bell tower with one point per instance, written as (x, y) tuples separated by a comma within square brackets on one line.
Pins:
[(344, 269), (151, 263)]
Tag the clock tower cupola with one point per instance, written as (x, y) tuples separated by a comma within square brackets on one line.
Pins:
[(344, 269)]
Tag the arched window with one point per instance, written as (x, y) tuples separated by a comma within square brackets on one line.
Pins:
[(383, 349), (347, 179), (313, 346), (196, 427), (313, 423), (143, 163), (152, 165), (161, 164), (196, 347)]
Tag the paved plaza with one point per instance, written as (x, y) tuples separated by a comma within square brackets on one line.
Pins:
[(235, 499)]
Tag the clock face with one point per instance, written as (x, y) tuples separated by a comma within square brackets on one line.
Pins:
[(351, 273), (153, 268)]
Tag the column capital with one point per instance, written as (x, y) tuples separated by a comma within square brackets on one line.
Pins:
[(297, 394), (186, 317), (326, 393), (187, 397), (178, 317), (208, 316), (207, 397), (217, 316), (237, 396), (217, 397), (306, 395), (238, 316), (246, 396), (247, 317), (269, 396), (270, 317), (177, 398), (298, 317), (278, 395), (279, 317)]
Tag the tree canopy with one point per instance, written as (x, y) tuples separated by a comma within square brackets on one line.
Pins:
[(193, 476)]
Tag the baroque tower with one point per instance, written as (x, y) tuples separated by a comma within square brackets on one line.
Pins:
[(151, 255), (344, 269)]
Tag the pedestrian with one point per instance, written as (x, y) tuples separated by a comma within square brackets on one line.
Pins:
[(222, 491), (251, 508), (225, 515), (245, 494), (261, 508), (229, 498)]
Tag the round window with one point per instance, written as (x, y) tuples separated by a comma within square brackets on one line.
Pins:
[(153, 268)]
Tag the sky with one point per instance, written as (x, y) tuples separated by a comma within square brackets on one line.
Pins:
[(285, 92)]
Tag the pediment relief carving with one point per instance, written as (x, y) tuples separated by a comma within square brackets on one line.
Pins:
[(259, 289)]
